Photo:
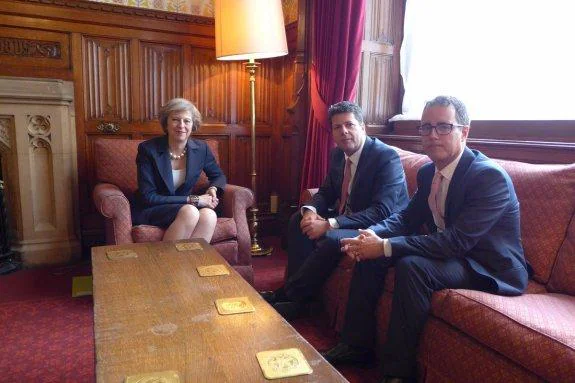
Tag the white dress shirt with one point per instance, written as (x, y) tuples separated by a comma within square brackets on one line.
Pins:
[(354, 161), (447, 173)]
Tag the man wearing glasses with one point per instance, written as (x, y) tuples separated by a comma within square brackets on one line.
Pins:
[(365, 184), (469, 205)]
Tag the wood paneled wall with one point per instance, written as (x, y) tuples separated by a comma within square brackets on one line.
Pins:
[(126, 62)]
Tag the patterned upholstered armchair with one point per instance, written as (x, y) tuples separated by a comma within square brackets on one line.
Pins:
[(116, 176)]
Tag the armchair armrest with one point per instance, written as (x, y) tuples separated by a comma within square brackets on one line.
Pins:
[(236, 201), (111, 202), (306, 195)]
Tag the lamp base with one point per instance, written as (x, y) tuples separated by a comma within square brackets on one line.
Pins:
[(258, 251)]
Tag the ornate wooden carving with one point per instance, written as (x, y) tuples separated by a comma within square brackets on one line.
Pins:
[(212, 84), (108, 127), (107, 85), (161, 77), (30, 48)]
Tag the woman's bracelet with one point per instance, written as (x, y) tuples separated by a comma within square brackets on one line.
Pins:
[(194, 200)]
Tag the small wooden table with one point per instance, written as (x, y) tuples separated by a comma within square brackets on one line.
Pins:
[(155, 313)]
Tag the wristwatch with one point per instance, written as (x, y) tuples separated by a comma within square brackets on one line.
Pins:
[(194, 200)]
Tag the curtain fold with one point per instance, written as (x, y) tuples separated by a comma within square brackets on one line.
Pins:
[(336, 57)]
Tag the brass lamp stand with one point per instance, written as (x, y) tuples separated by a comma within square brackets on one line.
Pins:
[(250, 29), (256, 249)]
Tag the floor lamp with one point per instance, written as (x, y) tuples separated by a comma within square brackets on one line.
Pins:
[(250, 30)]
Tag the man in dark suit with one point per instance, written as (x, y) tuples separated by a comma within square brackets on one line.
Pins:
[(469, 205), (365, 184)]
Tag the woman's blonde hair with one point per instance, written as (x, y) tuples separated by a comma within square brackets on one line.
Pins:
[(180, 105)]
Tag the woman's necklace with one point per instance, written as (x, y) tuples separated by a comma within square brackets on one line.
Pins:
[(174, 157)]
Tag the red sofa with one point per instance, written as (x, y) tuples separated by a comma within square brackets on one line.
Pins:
[(473, 336), (116, 175)]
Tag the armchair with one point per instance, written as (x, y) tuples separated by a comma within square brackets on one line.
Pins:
[(116, 177)]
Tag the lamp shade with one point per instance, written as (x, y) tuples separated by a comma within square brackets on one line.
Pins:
[(249, 29)]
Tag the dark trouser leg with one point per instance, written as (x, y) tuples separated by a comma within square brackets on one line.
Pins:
[(366, 287), (312, 274), (416, 278), (299, 245)]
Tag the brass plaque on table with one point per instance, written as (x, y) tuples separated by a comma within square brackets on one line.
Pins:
[(276, 364), (238, 305), (189, 246), (115, 255), (213, 270), (154, 377)]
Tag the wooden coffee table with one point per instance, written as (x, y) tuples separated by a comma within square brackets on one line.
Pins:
[(155, 313)]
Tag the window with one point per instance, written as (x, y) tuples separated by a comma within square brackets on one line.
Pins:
[(505, 59)]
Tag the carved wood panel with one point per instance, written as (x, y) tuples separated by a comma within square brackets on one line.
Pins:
[(264, 166), (213, 86), (107, 82), (378, 84), (161, 77), (375, 96)]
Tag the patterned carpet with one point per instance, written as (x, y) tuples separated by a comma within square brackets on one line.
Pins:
[(47, 336)]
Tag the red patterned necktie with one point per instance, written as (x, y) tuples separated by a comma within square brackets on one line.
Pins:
[(345, 186), (434, 202)]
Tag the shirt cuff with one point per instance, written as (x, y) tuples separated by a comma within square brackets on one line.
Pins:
[(307, 207), (386, 248), (333, 223)]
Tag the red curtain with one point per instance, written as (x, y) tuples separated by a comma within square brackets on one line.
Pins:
[(336, 56)]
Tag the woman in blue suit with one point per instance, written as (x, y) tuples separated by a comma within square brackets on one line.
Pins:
[(168, 168)]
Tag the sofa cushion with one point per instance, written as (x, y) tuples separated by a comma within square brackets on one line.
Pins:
[(536, 331), (447, 355), (411, 163), (563, 274), (545, 194), (225, 230)]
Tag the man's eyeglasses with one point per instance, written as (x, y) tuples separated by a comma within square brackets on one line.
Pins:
[(441, 129)]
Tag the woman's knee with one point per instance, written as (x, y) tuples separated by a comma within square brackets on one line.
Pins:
[(208, 215), (188, 213)]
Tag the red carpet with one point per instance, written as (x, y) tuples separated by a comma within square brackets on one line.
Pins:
[(47, 336)]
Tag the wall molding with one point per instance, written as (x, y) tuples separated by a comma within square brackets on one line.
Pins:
[(124, 10)]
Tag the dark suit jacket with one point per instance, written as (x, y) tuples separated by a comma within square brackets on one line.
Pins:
[(155, 183), (481, 223), (378, 188)]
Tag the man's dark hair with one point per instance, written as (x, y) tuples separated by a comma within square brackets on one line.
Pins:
[(460, 110), (346, 107)]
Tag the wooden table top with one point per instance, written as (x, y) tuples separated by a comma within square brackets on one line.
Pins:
[(155, 313)]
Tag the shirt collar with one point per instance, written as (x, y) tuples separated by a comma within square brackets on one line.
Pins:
[(355, 156), (447, 172)]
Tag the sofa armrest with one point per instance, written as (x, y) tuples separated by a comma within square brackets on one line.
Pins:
[(236, 201), (306, 195), (111, 202)]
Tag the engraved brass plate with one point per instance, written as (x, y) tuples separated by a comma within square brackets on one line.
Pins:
[(238, 305), (154, 377), (276, 364), (212, 270), (115, 255), (188, 246)]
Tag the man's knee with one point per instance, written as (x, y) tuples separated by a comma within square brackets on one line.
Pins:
[(330, 242), (294, 221)]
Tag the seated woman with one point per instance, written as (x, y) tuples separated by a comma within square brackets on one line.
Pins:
[(168, 168)]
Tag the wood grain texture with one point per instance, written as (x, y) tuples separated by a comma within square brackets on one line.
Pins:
[(155, 313)]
